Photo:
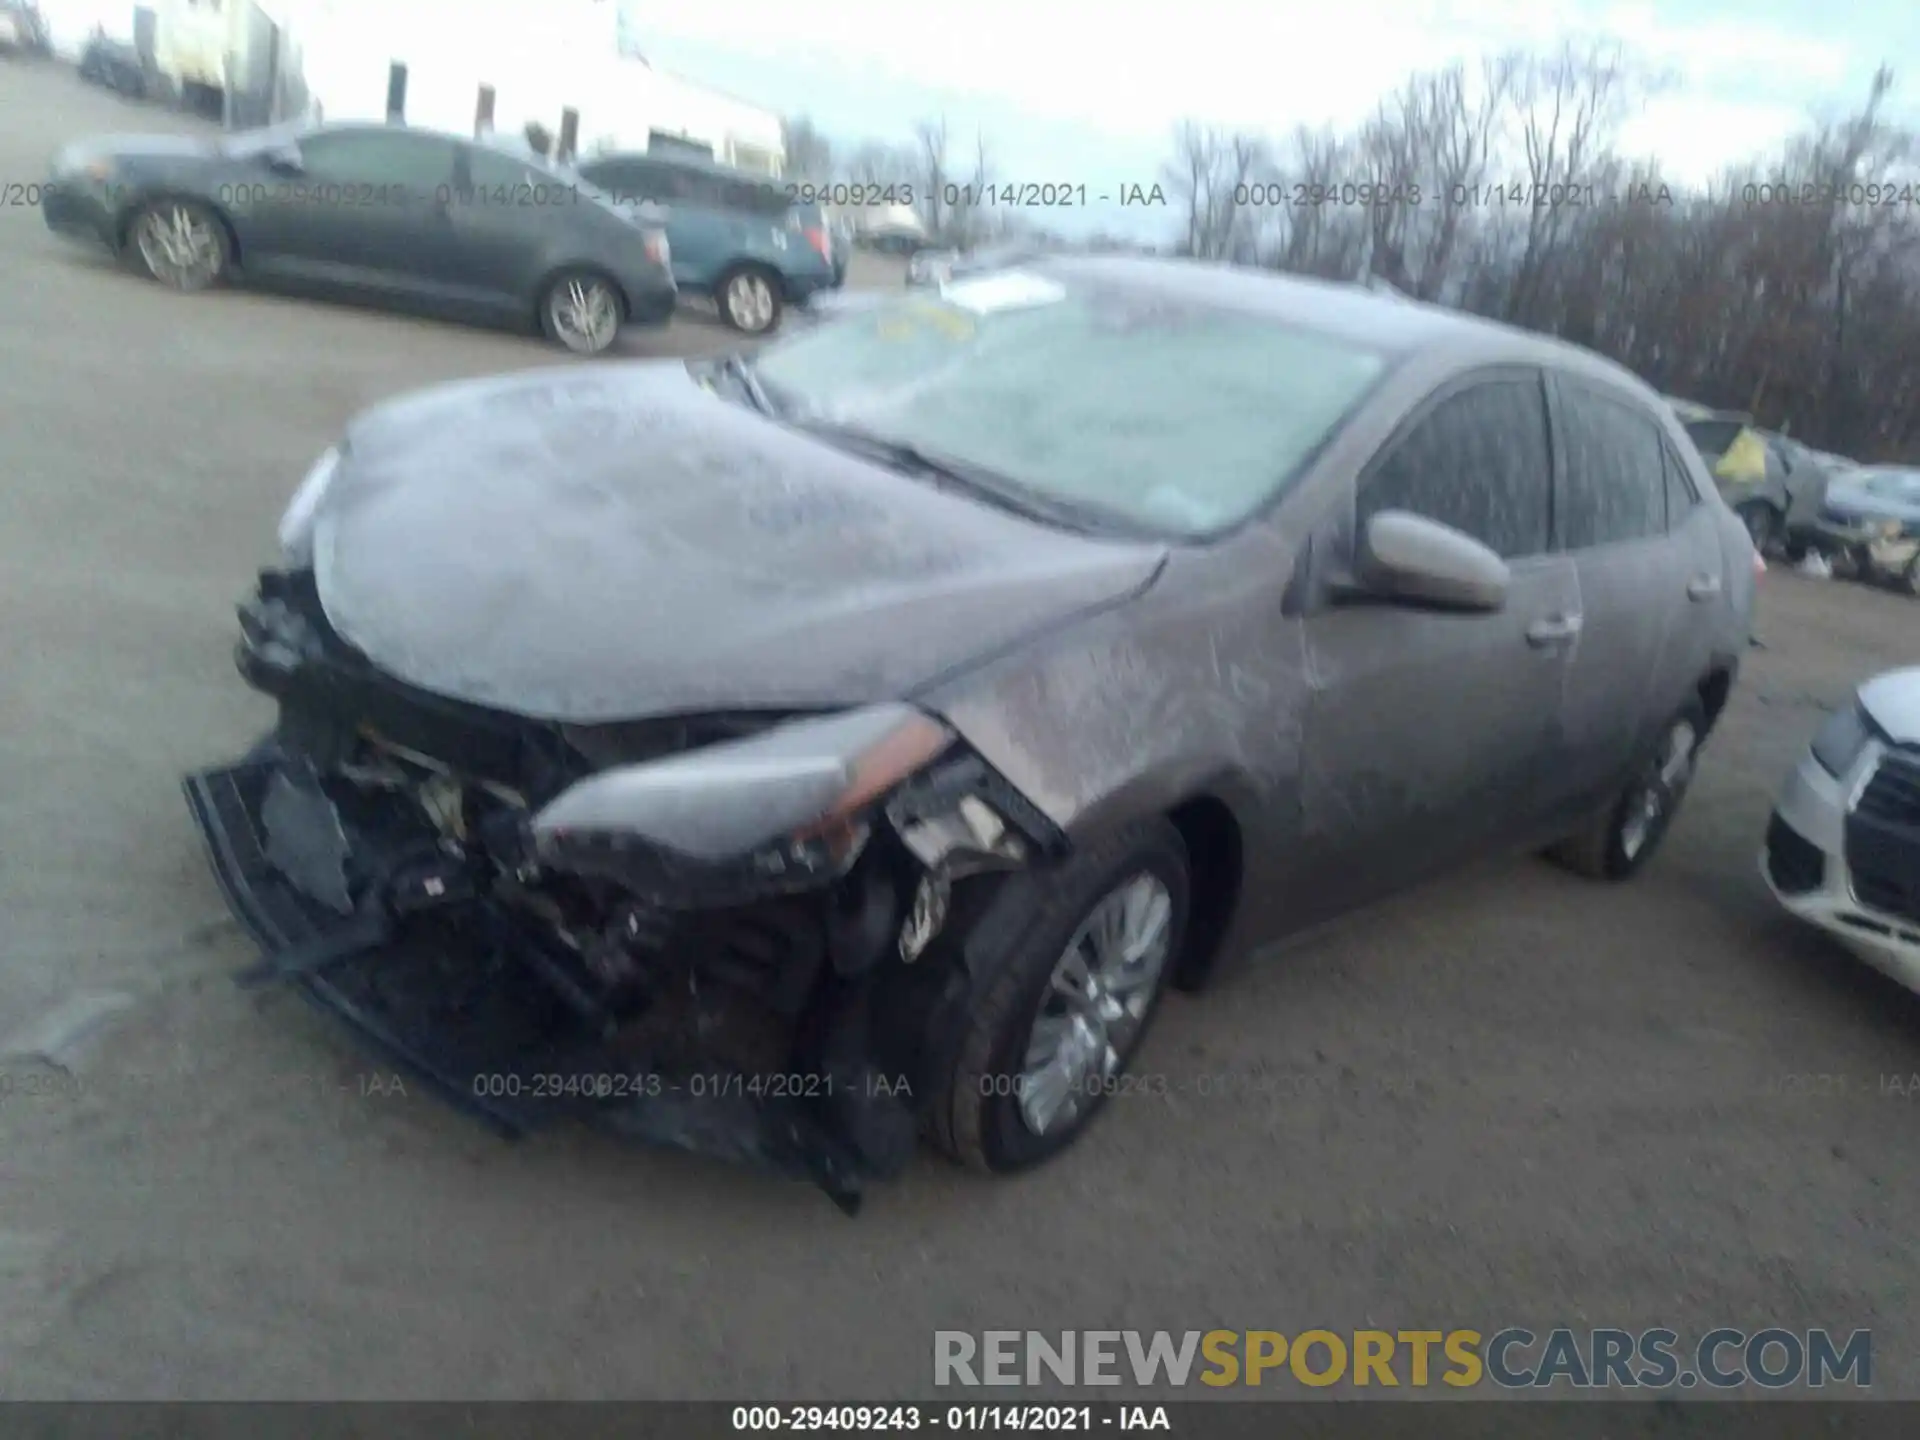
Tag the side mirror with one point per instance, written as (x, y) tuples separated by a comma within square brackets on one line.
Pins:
[(1407, 559), (286, 160)]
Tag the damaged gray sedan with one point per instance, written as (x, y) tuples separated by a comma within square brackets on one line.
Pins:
[(786, 758)]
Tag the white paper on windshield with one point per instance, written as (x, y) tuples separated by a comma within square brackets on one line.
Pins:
[(1012, 290)]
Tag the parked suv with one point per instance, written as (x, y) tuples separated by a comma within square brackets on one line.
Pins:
[(736, 236)]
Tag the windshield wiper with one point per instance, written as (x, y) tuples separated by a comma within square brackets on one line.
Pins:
[(739, 369), (988, 485)]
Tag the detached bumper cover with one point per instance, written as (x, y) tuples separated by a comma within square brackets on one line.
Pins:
[(451, 988)]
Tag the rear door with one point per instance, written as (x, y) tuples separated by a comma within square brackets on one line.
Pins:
[(1611, 513), (1432, 736), (508, 218)]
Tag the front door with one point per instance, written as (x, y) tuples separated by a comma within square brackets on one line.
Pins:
[(1432, 736), (371, 210)]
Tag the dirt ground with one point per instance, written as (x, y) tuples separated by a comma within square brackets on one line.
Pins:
[(1516, 1099)]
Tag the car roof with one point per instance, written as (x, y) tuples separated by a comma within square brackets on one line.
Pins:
[(689, 163), (1692, 412), (1388, 323)]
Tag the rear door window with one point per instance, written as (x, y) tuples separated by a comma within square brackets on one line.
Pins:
[(1681, 496), (1615, 471), (1479, 462)]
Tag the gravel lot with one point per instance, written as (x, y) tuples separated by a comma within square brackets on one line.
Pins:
[(1514, 1099)]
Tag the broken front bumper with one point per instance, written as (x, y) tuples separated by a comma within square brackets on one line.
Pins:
[(461, 991)]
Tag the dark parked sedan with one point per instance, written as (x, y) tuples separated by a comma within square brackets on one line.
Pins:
[(779, 757), (376, 213)]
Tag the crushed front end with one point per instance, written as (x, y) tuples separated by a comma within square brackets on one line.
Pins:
[(732, 934)]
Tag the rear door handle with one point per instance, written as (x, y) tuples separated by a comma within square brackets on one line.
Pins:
[(1703, 587), (1556, 630)]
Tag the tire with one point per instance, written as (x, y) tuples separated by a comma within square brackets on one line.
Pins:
[(979, 1114), (181, 244), (582, 311), (1762, 522), (749, 300), (1614, 846)]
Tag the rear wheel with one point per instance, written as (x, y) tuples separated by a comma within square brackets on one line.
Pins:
[(1624, 836), (749, 300), (582, 312), (180, 243), (1051, 1037)]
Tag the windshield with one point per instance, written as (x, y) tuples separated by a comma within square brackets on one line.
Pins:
[(1166, 416)]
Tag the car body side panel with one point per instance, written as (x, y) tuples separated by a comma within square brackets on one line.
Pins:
[(1700, 633), (1431, 737), (1195, 689), (1632, 596), (1200, 687)]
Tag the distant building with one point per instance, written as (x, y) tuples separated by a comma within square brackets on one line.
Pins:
[(541, 57)]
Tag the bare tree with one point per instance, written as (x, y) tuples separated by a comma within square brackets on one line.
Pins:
[(930, 140), (1790, 289), (809, 153), (1570, 106), (1189, 175)]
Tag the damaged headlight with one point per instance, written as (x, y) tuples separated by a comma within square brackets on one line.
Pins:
[(786, 810), (296, 525)]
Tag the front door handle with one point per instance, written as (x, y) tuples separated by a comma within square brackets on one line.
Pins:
[(1555, 630), (1703, 587)]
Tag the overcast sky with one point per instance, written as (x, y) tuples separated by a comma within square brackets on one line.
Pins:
[(1074, 93)]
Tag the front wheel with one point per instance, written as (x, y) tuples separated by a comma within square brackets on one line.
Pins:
[(1626, 834), (181, 243), (1050, 1039), (750, 301), (582, 312)]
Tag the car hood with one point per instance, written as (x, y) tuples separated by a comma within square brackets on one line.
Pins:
[(615, 541), (135, 147), (1893, 702)]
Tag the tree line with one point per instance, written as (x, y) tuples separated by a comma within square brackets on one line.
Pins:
[(1788, 288)]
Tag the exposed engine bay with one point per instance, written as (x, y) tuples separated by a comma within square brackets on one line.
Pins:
[(730, 934)]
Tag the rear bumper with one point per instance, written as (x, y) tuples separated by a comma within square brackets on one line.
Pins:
[(460, 998)]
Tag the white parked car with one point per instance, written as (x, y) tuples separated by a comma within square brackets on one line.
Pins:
[(1843, 846)]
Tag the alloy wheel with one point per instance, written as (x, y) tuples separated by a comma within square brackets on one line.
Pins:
[(750, 302), (179, 246), (1096, 1002), (585, 314)]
